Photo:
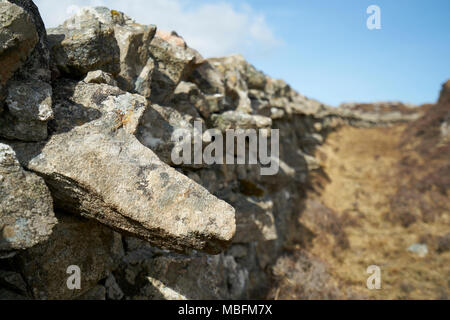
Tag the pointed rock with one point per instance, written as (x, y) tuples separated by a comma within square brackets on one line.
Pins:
[(96, 167)]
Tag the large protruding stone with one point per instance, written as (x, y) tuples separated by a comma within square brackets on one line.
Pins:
[(96, 167), (26, 207)]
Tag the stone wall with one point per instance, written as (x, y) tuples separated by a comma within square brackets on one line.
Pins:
[(90, 107)]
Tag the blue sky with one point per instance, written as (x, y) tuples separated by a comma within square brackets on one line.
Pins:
[(329, 54), (322, 48)]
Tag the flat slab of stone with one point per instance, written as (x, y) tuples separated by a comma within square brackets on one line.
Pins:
[(95, 166)]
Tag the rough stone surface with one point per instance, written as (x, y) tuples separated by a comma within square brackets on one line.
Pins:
[(18, 37), (176, 277), (24, 81), (74, 242), (84, 43), (97, 293), (100, 77), (26, 207), (239, 120), (97, 168), (172, 65), (159, 124), (37, 66), (99, 38), (14, 282)]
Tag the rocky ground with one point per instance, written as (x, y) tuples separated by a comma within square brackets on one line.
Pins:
[(87, 111)]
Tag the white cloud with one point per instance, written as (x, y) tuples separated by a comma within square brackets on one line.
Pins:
[(214, 29)]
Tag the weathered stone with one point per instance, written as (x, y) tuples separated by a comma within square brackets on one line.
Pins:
[(136, 62), (158, 125), (25, 75), (254, 219), (13, 281), (29, 109), (37, 66), (26, 207), (96, 293), (208, 78), (239, 120), (444, 96), (98, 169), (376, 114), (235, 78), (172, 65), (74, 242), (188, 95), (18, 37), (10, 295), (100, 77), (194, 278), (113, 291), (99, 38), (419, 249), (85, 42)]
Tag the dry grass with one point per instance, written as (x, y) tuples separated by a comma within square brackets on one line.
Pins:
[(379, 191), (299, 276), (380, 208)]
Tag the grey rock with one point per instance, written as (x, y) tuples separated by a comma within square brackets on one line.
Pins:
[(237, 251), (26, 207), (239, 120), (172, 65), (159, 124), (187, 96), (74, 242), (96, 293), (113, 291), (137, 64), (194, 278), (25, 75), (311, 162), (369, 115), (29, 109), (254, 220), (25, 60), (11, 295), (37, 65), (13, 281), (107, 40), (232, 69), (100, 77), (208, 78), (85, 42), (18, 37), (96, 167)]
